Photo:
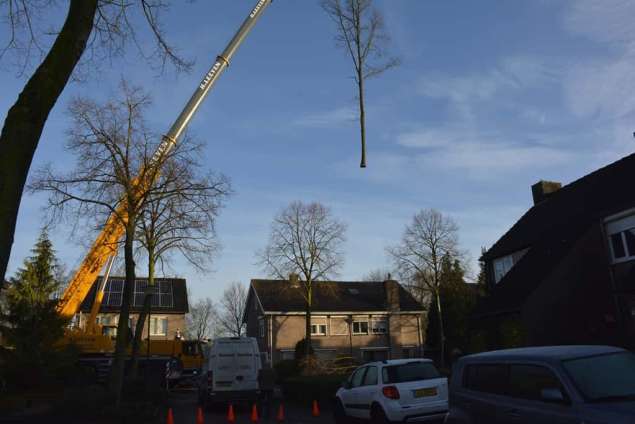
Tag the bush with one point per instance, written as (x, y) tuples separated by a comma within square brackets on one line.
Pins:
[(300, 350)]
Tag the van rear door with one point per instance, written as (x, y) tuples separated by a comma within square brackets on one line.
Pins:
[(236, 366)]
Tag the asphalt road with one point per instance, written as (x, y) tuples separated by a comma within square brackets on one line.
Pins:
[(184, 405)]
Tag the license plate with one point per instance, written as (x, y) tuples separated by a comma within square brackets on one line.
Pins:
[(431, 391)]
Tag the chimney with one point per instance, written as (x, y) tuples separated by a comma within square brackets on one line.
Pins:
[(543, 189), (294, 279), (391, 287)]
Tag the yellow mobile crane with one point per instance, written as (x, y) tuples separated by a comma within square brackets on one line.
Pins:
[(103, 250)]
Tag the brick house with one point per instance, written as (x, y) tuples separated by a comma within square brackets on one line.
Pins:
[(565, 272), (366, 320), (167, 314)]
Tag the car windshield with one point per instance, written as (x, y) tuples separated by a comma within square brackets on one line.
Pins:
[(411, 371), (604, 377)]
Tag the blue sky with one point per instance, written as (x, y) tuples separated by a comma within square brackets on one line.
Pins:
[(491, 96)]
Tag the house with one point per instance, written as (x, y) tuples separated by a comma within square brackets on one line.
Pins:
[(167, 313), (366, 320), (565, 272)]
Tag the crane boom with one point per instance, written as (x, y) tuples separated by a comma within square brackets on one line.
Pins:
[(106, 242)]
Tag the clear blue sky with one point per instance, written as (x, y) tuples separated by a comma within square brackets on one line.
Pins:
[(491, 97)]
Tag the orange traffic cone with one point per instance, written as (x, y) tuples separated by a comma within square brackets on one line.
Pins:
[(170, 419), (199, 416), (280, 416), (315, 411), (254, 414), (231, 418)]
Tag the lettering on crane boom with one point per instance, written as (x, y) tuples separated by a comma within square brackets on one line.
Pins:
[(166, 143), (210, 75), (257, 8)]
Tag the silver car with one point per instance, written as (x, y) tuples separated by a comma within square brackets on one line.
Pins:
[(555, 384)]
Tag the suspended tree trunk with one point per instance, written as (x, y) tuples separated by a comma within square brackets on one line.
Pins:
[(25, 120)]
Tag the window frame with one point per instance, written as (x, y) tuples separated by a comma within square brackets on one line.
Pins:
[(162, 319), (261, 327), (318, 322), (620, 225), (359, 321), (372, 326)]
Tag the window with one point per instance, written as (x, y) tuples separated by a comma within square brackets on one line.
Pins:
[(318, 326), (528, 381), (261, 327), (488, 378), (609, 376), (371, 376), (113, 292), (410, 371), (502, 267), (339, 326), (378, 326), (318, 329), (360, 327), (621, 235), (358, 377), (158, 326), (503, 264)]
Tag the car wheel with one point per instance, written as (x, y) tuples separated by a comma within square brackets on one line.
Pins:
[(377, 415), (339, 413)]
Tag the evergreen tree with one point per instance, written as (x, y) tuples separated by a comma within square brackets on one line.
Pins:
[(481, 280), (458, 298), (31, 325)]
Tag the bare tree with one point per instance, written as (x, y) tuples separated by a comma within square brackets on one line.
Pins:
[(360, 31), (232, 308), (101, 27), (200, 322), (178, 218), (305, 240), (112, 180), (428, 239)]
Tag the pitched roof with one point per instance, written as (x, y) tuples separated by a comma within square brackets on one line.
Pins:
[(550, 228), (330, 296), (179, 297)]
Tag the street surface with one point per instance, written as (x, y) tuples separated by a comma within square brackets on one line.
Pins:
[(184, 404)]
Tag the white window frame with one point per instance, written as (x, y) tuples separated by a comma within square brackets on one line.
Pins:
[(319, 326), (620, 226), (333, 328), (373, 327), (357, 321), (156, 331)]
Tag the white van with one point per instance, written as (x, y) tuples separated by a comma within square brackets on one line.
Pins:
[(230, 371)]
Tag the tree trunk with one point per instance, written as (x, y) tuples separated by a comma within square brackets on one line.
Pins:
[(25, 120), (123, 332), (147, 302), (307, 336), (362, 119), (441, 332)]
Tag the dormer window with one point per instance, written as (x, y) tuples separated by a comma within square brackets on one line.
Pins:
[(503, 264), (621, 233)]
